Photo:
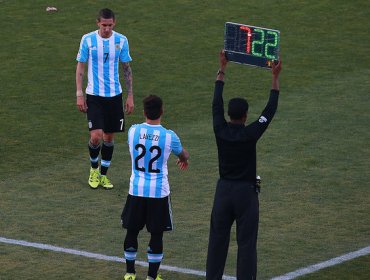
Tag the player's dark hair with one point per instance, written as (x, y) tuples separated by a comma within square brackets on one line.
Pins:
[(106, 13), (153, 107), (238, 107)]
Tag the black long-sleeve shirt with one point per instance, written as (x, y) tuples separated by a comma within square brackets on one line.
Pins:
[(236, 143)]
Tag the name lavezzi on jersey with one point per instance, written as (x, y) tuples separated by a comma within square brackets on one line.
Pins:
[(103, 56), (150, 147)]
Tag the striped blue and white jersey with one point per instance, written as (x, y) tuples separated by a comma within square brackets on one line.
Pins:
[(103, 56), (150, 147)]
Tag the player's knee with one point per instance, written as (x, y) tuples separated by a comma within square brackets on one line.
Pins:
[(108, 137), (95, 141), (96, 137)]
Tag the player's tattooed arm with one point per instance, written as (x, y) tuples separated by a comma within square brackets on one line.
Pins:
[(127, 76)]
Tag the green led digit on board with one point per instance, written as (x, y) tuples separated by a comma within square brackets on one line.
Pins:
[(271, 45), (258, 42)]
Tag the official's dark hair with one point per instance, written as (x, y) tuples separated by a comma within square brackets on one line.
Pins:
[(153, 107), (238, 107), (106, 13)]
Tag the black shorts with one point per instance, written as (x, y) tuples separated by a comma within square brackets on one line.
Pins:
[(155, 213), (105, 113)]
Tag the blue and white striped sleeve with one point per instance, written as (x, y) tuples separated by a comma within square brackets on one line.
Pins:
[(83, 52), (176, 146), (125, 51)]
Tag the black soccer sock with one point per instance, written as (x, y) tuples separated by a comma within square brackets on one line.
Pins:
[(130, 247), (155, 253), (94, 151), (106, 156)]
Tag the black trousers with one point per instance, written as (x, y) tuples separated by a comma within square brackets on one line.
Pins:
[(234, 200)]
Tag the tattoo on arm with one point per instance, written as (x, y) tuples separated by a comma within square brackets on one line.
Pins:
[(127, 76)]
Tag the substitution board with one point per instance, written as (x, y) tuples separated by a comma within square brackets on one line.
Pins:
[(252, 45)]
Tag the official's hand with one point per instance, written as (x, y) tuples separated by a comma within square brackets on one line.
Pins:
[(223, 60), (81, 104), (129, 104), (276, 68)]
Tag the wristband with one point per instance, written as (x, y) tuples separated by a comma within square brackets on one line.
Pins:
[(79, 93)]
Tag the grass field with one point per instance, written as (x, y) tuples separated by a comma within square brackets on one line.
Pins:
[(313, 159)]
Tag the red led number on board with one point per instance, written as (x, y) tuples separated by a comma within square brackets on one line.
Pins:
[(249, 35)]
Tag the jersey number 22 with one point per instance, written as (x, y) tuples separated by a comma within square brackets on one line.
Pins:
[(153, 149)]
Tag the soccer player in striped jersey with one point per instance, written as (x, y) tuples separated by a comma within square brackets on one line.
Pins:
[(148, 201), (103, 50)]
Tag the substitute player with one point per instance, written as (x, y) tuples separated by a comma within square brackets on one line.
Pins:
[(103, 50), (148, 201)]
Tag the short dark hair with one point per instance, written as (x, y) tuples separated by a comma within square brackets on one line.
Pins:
[(238, 108), (106, 13), (153, 107)]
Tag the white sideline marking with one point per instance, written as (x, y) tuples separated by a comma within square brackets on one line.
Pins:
[(291, 275), (102, 257), (325, 264)]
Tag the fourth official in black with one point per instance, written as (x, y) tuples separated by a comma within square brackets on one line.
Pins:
[(236, 196)]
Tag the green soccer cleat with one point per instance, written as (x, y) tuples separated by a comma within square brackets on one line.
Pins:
[(157, 278), (105, 183), (94, 178), (129, 276)]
